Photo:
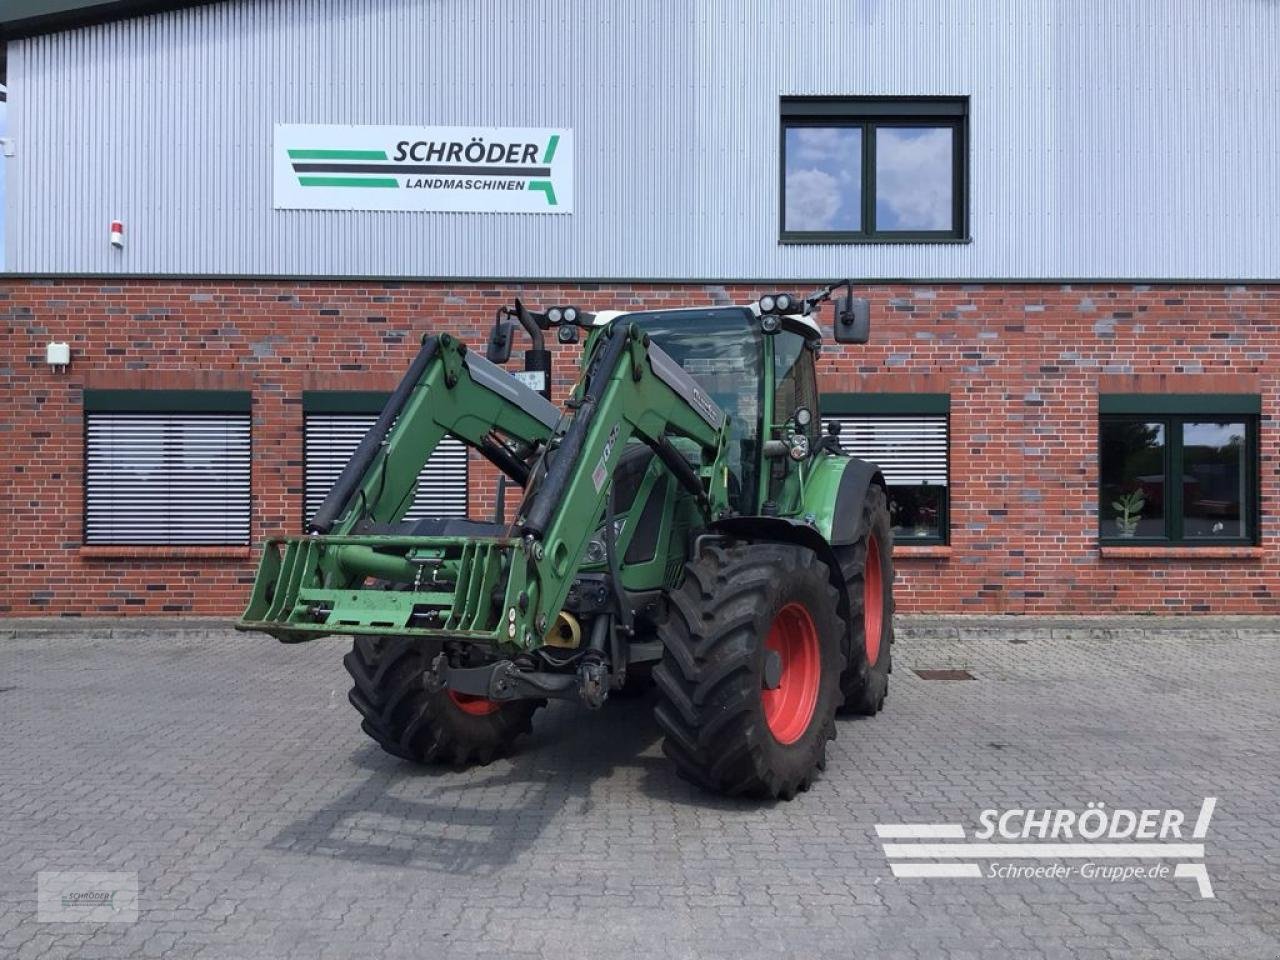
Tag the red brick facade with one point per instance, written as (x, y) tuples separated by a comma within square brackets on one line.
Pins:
[(1023, 364)]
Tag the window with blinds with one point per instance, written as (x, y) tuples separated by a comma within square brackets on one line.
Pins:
[(330, 441), (911, 452), (166, 478)]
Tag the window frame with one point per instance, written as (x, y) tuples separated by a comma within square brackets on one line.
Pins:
[(872, 406), (867, 114), (122, 402), (1173, 412)]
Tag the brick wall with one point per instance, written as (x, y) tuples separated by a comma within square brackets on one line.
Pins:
[(1024, 365)]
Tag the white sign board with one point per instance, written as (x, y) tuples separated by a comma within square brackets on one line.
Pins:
[(453, 169)]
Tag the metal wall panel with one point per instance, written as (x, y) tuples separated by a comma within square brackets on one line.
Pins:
[(1132, 139)]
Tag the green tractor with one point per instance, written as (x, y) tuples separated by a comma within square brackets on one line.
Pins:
[(683, 522)]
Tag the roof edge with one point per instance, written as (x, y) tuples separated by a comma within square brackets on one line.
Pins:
[(28, 18)]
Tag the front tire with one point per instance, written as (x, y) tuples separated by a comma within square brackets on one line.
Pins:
[(867, 566), (749, 679), (412, 723)]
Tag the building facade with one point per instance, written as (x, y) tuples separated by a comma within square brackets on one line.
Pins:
[(1062, 212)]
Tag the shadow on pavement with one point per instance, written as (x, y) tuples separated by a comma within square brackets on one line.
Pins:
[(474, 820)]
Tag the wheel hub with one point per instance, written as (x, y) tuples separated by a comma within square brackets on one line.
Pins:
[(872, 600), (793, 646), (476, 706)]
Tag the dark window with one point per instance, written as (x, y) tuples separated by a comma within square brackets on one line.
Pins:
[(166, 468), (857, 169), (911, 452), (1188, 478)]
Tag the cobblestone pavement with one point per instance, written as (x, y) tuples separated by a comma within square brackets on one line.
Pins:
[(229, 773)]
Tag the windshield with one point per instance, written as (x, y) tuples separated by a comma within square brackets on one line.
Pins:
[(721, 348)]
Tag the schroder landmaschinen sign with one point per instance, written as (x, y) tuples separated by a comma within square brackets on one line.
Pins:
[(453, 169)]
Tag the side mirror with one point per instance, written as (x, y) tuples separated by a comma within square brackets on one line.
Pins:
[(498, 349), (853, 320)]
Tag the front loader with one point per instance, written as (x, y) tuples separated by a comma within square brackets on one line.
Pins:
[(681, 517)]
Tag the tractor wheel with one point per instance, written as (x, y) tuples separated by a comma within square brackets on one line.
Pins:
[(867, 565), (749, 679), (407, 720)]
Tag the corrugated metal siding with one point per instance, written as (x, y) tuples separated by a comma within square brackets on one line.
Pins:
[(1132, 139)]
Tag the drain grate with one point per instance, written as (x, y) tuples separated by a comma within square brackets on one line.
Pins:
[(944, 674)]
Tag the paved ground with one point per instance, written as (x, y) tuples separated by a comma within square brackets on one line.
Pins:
[(229, 774)]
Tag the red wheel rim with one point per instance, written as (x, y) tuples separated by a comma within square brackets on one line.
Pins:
[(789, 708), (476, 706), (872, 600)]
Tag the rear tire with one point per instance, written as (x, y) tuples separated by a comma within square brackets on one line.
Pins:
[(746, 616), (867, 566), (412, 723)]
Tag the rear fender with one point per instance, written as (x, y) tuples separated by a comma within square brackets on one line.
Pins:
[(834, 497)]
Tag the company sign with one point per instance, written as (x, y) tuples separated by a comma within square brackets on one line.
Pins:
[(449, 169)]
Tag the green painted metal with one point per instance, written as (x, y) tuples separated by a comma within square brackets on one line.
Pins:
[(167, 401), (502, 591), (1206, 404), (444, 585), (901, 404)]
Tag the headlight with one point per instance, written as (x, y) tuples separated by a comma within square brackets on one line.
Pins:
[(570, 315), (766, 304), (555, 315), (784, 302)]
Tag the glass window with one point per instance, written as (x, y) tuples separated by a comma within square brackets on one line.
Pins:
[(874, 169), (1177, 479), (4, 133), (1131, 460), (911, 452), (722, 348), (914, 178), (823, 181), (794, 379), (1215, 476)]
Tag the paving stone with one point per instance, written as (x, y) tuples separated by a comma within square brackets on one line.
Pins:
[(230, 774)]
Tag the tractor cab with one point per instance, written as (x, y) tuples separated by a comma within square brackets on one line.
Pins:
[(758, 363)]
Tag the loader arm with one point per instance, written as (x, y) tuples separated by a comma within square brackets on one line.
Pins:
[(500, 589), (631, 389), (446, 391)]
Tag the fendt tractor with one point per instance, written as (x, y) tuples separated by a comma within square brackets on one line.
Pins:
[(684, 522)]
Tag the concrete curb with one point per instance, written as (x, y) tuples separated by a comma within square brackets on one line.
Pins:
[(1010, 629)]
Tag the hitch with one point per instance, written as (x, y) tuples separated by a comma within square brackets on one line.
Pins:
[(504, 681)]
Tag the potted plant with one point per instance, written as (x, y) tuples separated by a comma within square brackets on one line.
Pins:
[(1129, 509)]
